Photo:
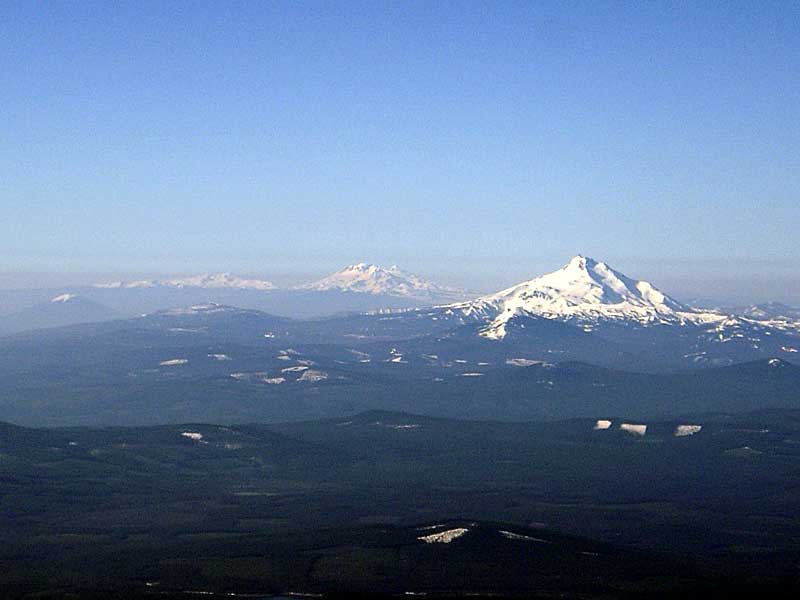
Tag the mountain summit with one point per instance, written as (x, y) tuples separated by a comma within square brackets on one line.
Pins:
[(584, 290), (371, 279), (64, 309)]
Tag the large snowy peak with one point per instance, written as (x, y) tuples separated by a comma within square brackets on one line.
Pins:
[(584, 290), (371, 279)]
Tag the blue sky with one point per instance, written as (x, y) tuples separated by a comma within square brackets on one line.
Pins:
[(480, 142)]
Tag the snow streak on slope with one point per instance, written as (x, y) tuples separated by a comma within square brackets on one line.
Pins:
[(208, 281), (585, 291), (63, 298), (372, 279)]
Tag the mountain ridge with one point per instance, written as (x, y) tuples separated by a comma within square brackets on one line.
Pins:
[(361, 278), (205, 280), (60, 311)]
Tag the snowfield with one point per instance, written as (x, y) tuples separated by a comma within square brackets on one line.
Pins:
[(173, 362), (313, 376), (443, 537), (686, 430), (521, 538), (63, 298), (634, 428), (526, 362)]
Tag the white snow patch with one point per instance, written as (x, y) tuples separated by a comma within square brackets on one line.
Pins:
[(172, 362), (634, 428), (471, 375), (294, 369), (522, 538), (428, 527), (443, 537), (219, 356), (312, 375), (602, 424), (788, 349), (396, 357), (193, 435), (63, 298), (684, 430), (273, 380), (526, 362)]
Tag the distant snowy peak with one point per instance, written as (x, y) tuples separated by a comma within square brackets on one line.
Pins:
[(771, 310), (207, 281), (583, 290), (63, 298), (364, 278), (222, 280)]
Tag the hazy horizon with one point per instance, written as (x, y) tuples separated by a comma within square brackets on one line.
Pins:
[(708, 281)]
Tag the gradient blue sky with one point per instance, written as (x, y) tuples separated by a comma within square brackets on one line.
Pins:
[(480, 142)]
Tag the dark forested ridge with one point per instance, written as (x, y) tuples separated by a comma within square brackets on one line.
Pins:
[(225, 365), (345, 505)]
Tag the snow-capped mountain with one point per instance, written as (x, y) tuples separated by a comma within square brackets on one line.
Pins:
[(372, 279), (206, 281), (771, 311), (583, 291)]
